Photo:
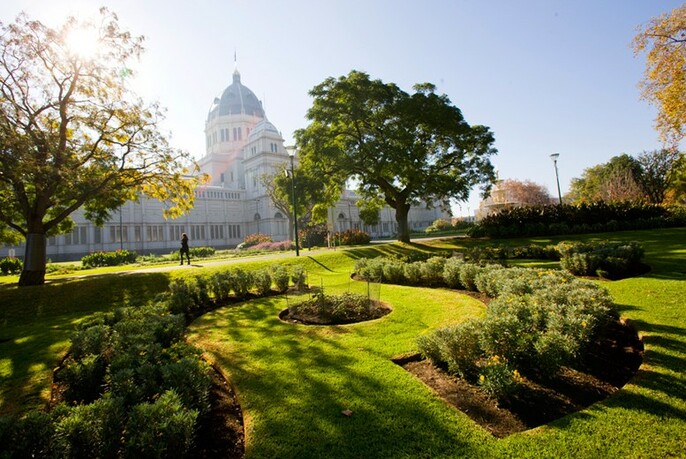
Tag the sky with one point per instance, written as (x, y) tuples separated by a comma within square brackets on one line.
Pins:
[(546, 76)]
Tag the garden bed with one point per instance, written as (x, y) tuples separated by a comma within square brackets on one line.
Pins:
[(610, 362)]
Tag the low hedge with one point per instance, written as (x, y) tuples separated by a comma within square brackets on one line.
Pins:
[(545, 220), (116, 258)]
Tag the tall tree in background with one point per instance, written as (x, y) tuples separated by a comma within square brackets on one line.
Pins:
[(399, 146), (73, 135), (526, 192), (616, 180), (658, 172), (664, 85)]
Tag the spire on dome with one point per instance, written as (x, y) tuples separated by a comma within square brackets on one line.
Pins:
[(236, 73)]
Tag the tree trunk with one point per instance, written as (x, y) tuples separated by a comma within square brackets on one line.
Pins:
[(401, 212), (34, 260)]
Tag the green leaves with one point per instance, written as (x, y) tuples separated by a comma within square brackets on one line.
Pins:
[(402, 147)]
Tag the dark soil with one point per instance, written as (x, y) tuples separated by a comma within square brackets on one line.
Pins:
[(220, 430), (609, 363), (377, 309)]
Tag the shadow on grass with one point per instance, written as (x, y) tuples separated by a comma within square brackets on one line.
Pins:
[(296, 381)]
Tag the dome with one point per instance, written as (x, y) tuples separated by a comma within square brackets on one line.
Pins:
[(262, 128), (236, 100)]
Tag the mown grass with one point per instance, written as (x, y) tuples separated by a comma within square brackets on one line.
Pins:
[(294, 381)]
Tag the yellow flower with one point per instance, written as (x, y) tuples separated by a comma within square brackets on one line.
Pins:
[(583, 324), (482, 378), (516, 375)]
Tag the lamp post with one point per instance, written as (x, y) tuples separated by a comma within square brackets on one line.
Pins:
[(554, 157), (291, 153)]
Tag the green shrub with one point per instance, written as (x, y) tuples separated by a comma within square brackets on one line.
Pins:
[(220, 285), (116, 258), (91, 340), (30, 436), (280, 276), (393, 272), (468, 275), (10, 265), (372, 269), (262, 281), (489, 280), (432, 271), (451, 272), (413, 273), (613, 260), (91, 430), (163, 428), (498, 378), (242, 281), (458, 347), (190, 378), (185, 296), (299, 276), (84, 378)]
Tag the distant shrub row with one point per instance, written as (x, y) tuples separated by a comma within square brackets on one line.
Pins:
[(116, 258), (132, 386), (610, 260), (10, 265), (571, 219), (195, 252)]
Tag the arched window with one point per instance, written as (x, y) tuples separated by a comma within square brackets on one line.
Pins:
[(341, 216), (278, 215)]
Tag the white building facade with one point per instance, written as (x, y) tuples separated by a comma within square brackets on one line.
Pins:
[(241, 147)]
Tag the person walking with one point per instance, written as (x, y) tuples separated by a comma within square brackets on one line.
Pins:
[(185, 249)]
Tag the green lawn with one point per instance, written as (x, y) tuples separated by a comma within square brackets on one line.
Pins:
[(293, 381)]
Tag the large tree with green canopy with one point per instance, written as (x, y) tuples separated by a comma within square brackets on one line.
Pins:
[(404, 148), (73, 135)]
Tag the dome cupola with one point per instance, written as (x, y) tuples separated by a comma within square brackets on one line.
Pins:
[(237, 99)]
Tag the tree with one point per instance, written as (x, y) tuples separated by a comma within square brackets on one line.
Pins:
[(399, 146), (526, 192), (664, 85), (72, 135), (659, 170), (616, 180), (310, 194)]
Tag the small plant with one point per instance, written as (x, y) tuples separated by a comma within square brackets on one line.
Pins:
[(498, 378)]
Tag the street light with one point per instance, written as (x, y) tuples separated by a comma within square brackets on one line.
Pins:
[(554, 157), (291, 153)]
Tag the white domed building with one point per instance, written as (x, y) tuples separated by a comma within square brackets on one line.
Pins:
[(242, 145)]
